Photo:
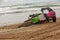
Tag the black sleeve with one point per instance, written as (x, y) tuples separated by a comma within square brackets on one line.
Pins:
[(49, 9), (42, 9)]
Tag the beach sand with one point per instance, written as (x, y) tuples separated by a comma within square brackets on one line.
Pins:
[(45, 31)]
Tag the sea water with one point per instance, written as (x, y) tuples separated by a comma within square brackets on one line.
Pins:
[(9, 15)]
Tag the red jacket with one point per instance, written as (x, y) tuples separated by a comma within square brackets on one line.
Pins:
[(51, 14)]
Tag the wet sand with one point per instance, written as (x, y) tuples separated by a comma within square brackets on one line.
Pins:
[(45, 31)]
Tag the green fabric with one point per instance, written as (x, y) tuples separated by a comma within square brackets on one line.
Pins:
[(35, 20)]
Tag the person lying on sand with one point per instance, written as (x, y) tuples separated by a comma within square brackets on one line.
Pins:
[(51, 13)]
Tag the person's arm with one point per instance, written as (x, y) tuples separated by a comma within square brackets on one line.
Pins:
[(49, 9), (42, 9)]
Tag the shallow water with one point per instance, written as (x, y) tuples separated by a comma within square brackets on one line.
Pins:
[(12, 18)]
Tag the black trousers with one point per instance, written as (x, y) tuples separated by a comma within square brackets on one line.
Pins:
[(47, 18)]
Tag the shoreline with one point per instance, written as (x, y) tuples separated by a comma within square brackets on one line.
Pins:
[(34, 32), (14, 26)]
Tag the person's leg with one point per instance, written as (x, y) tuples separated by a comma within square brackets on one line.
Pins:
[(54, 18), (47, 18)]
